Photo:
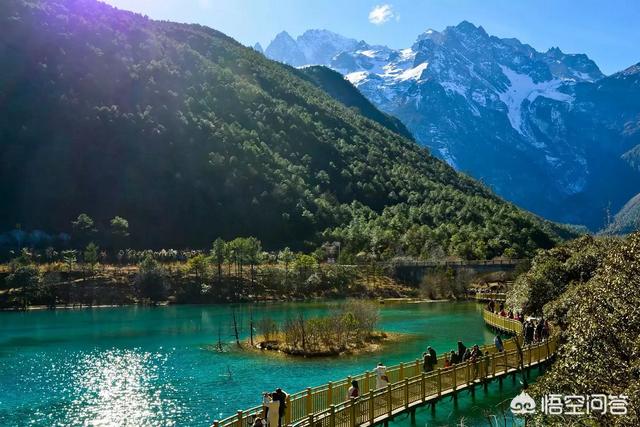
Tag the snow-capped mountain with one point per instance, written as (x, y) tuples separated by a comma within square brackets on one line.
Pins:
[(527, 123)]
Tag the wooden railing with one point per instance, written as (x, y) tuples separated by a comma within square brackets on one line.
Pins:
[(327, 405), (505, 324)]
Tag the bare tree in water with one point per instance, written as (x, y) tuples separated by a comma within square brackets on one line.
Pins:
[(236, 327)]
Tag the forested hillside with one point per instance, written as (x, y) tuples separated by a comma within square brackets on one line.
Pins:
[(342, 90), (589, 289), (189, 136)]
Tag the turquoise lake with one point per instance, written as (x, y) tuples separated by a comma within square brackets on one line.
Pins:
[(156, 366)]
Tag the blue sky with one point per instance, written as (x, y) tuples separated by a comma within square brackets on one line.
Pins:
[(607, 31)]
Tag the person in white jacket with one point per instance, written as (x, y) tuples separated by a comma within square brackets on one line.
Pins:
[(382, 380)]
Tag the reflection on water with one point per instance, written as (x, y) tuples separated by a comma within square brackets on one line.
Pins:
[(121, 387), (154, 366)]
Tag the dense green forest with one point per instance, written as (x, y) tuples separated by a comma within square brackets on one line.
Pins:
[(589, 289), (340, 89), (191, 136)]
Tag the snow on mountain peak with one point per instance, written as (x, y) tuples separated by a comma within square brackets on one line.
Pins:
[(494, 107), (413, 73), (522, 87)]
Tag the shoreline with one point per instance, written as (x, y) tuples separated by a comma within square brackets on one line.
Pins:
[(381, 301), (376, 345)]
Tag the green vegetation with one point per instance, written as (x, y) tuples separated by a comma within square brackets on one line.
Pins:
[(151, 282), (340, 89), (589, 289), (189, 135), (237, 270), (350, 328)]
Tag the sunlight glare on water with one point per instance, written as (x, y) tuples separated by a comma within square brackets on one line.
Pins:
[(119, 387)]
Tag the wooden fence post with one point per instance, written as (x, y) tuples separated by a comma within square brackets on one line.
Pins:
[(401, 371), (493, 363), (406, 392), (309, 401), (389, 402), (423, 386), (439, 382), (287, 411), (372, 413), (330, 393), (332, 415), (352, 413), (455, 378), (240, 419), (468, 373)]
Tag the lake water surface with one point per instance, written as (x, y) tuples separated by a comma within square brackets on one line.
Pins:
[(155, 366)]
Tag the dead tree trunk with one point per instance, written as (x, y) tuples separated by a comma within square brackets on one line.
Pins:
[(251, 326), (236, 331)]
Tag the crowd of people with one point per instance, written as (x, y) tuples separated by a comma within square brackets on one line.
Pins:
[(534, 330), (464, 354)]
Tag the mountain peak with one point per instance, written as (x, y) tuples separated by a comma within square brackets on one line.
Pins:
[(467, 27), (431, 34), (258, 47), (283, 35), (318, 32), (285, 49), (555, 52)]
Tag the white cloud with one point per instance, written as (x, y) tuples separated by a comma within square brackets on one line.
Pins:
[(381, 14)]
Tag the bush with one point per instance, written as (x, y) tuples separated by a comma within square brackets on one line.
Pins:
[(151, 283), (27, 279)]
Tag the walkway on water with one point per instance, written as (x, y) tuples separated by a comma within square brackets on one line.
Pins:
[(409, 387)]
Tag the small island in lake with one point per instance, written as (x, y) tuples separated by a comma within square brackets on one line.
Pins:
[(351, 328)]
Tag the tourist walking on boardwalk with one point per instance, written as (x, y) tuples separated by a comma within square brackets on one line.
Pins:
[(462, 349), (528, 332), (538, 333), (382, 380), (273, 409), (474, 357), (497, 341), (434, 356), (453, 358), (280, 397), (466, 355), (266, 400), (354, 390), (427, 366)]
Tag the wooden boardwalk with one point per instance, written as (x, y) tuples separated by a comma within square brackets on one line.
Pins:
[(409, 387)]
